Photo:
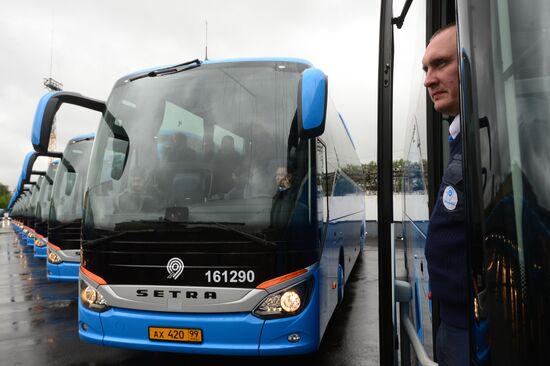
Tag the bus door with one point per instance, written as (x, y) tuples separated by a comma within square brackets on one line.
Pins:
[(505, 90), (423, 133), (324, 189)]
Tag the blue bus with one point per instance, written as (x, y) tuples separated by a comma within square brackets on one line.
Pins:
[(65, 214), (218, 198), (42, 210), (17, 213), (22, 190), (31, 218), (28, 192), (57, 208)]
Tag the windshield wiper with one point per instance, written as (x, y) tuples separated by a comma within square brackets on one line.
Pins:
[(188, 224), (117, 234), (208, 223), (224, 226), (170, 70)]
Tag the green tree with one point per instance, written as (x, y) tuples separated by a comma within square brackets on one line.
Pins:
[(366, 175), (356, 173), (371, 177), (5, 196), (398, 173)]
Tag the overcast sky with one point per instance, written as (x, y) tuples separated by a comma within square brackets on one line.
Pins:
[(97, 42)]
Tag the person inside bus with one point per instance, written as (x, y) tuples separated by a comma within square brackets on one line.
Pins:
[(138, 195), (225, 162), (240, 180), (283, 200), (179, 150), (446, 242)]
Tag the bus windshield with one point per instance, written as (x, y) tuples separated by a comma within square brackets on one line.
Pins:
[(68, 189), (213, 146), (42, 210), (43, 203), (36, 191)]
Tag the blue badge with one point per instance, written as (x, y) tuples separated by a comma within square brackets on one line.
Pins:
[(450, 198)]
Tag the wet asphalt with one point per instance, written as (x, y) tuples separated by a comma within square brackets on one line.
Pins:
[(38, 320)]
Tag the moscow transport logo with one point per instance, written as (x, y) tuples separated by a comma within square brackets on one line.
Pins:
[(175, 268), (450, 198)]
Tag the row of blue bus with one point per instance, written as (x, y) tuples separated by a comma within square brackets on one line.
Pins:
[(48, 213), (213, 196)]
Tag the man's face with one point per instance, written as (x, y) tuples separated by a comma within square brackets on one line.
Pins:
[(136, 184), (441, 66), (281, 177)]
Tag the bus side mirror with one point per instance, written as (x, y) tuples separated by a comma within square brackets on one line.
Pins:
[(47, 108), (312, 103), (28, 163), (19, 185)]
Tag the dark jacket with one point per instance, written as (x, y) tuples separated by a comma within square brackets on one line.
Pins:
[(446, 243)]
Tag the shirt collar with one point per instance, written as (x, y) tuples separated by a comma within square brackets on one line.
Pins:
[(454, 128)]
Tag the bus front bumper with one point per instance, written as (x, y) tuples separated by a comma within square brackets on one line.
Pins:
[(40, 252), (241, 334), (63, 272)]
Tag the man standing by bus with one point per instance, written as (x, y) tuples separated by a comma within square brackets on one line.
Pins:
[(446, 243)]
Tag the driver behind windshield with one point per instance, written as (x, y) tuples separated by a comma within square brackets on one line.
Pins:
[(138, 195), (283, 200)]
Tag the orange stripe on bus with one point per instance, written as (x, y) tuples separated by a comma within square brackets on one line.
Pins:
[(283, 278), (93, 277), (54, 247)]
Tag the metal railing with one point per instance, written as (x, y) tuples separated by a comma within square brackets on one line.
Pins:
[(408, 335)]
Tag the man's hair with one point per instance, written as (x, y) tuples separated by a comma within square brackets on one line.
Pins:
[(442, 29)]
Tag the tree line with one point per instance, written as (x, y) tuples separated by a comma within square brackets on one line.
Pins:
[(5, 196), (408, 176)]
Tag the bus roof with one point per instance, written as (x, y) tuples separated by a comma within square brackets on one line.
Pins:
[(219, 61)]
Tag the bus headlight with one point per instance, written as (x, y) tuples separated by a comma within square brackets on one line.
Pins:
[(53, 257), (39, 242), (287, 302), (91, 298), (290, 301)]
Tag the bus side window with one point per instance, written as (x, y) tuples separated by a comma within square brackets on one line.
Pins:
[(120, 151)]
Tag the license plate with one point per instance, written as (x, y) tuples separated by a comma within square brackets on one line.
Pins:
[(175, 334)]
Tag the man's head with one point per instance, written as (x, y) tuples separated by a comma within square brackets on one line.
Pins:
[(440, 62), (136, 183), (228, 144), (282, 177)]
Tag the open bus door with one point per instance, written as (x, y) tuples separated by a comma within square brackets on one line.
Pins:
[(431, 133), (505, 103), (505, 92)]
